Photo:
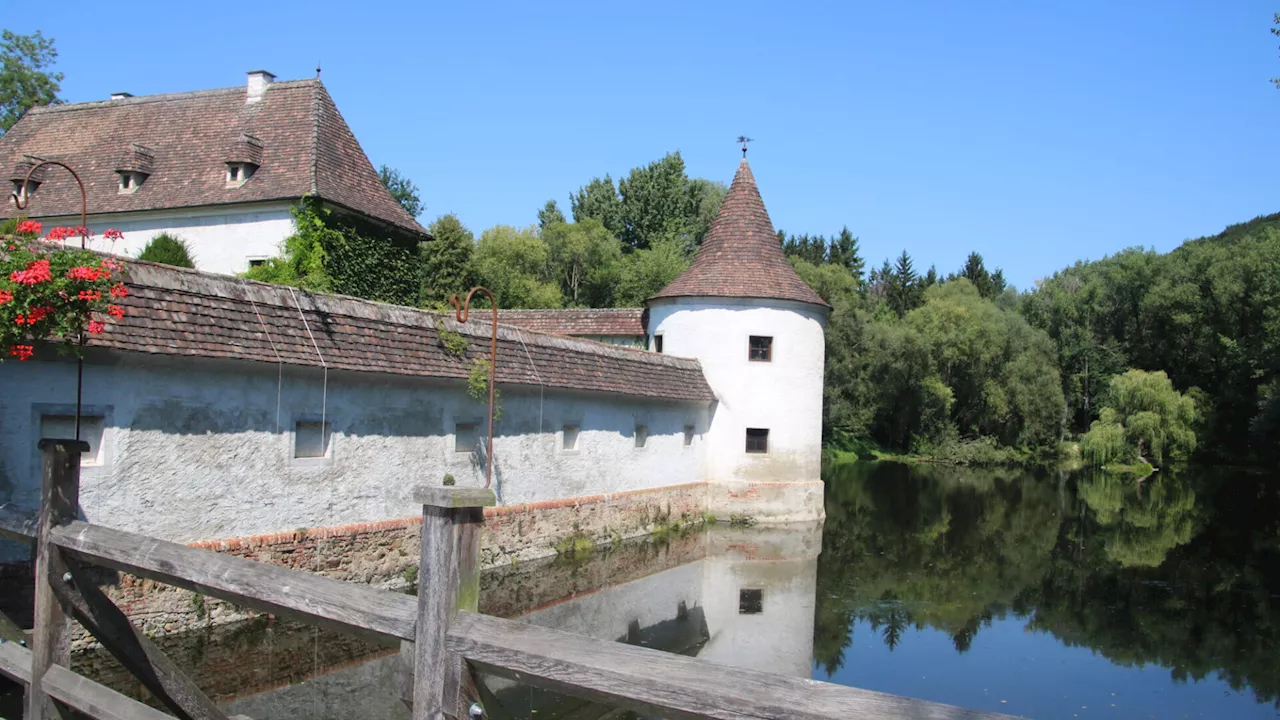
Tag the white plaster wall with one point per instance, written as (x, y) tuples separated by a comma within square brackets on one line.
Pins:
[(222, 239), (784, 395), (192, 450)]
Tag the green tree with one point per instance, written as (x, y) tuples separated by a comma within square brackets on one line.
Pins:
[(402, 189), (168, 250), (584, 259), (550, 215), (1149, 415), (598, 200), (446, 262), (904, 291), (303, 255), (24, 80), (514, 265), (644, 272), (843, 251), (659, 203)]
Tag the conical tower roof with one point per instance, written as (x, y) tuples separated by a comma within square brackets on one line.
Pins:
[(740, 255)]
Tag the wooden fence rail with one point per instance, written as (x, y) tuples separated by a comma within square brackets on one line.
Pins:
[(444, 640)]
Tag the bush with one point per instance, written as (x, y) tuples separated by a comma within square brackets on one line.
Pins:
[(167, 250)]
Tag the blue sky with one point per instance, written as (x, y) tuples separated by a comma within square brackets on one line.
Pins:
[(1036, 133)]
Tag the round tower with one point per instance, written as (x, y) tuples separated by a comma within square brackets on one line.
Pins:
[(758, 330)]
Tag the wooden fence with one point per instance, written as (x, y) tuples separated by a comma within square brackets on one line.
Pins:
[(444, 641)]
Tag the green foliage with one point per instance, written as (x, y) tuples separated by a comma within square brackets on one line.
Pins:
[(598, 200), (990, 285), (329, 252), (1276, 31), (1142, 414), (24, 80), (478, 386), (410, 574), (402, 189), (454, 343), (1206, 314), (904, 291), (643, 273), (584, 258), (550, 215), (167, 250), (446, 262), (514, 265)]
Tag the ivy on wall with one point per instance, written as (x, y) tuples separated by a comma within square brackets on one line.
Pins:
[(334, 252)]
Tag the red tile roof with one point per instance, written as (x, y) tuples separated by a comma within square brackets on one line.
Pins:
[(294, 132), (178, 312), (582, 321), (741, 255)]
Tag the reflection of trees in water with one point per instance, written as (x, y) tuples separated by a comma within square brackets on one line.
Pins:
[(1179, 570), (1141, 520), (927, 548)]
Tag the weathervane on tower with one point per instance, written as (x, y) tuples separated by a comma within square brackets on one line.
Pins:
[(744, 140)]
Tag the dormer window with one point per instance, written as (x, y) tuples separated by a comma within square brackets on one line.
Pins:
[(133, 168), (237, 173), (130, 181), (24, 191), (243, 158)]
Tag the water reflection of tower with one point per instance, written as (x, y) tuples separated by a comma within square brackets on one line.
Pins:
[(759, 591)]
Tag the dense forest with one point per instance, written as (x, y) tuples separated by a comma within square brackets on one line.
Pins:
[(1142, 356)]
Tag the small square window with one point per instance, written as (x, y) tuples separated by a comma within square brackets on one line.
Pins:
[(750, 602), (464, 437), (688, 435), (570, 437), (233, 173), (761, 348), (757, 440), (257, 262), (63, 427), (310, 439), (657, 343), (642, 435)]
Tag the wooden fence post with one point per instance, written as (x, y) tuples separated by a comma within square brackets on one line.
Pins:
[(59, 503), (448, 581)]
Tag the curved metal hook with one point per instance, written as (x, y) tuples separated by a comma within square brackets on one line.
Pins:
[(462, 310), (25, 199)]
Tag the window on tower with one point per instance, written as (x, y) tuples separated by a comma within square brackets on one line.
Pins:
[(761, 348), (757, 440)]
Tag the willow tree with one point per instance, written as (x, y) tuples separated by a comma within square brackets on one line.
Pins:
[(1142, 415)]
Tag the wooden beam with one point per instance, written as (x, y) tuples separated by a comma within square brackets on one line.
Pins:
[(15, 662), (671, 686), (360, 610), (17, 526), (451, 520), (10, 631), (76, 691), (59, 503), (146, 662)]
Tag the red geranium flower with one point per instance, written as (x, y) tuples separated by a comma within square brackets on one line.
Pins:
[(96, 326), (29, 227), (5, 296), (119, 291), (22, 352), (36, 272), (115, 311)]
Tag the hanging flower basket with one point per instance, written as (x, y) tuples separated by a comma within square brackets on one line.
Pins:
[(50, 293)]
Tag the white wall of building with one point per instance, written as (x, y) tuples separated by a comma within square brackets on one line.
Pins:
[(195, 449), (783, 395), (222, 239)]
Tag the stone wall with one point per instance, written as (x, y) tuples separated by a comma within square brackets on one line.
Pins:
[(385, 554)]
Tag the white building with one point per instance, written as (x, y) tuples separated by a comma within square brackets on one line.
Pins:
[(220, 408), (219, 169)]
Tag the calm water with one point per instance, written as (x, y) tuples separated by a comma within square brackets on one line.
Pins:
[(1046, 596)]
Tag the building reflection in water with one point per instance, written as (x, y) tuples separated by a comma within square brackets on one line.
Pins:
[(743, 597)]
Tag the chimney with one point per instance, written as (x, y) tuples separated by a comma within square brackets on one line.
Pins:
[(121, 95), (259, 81)]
